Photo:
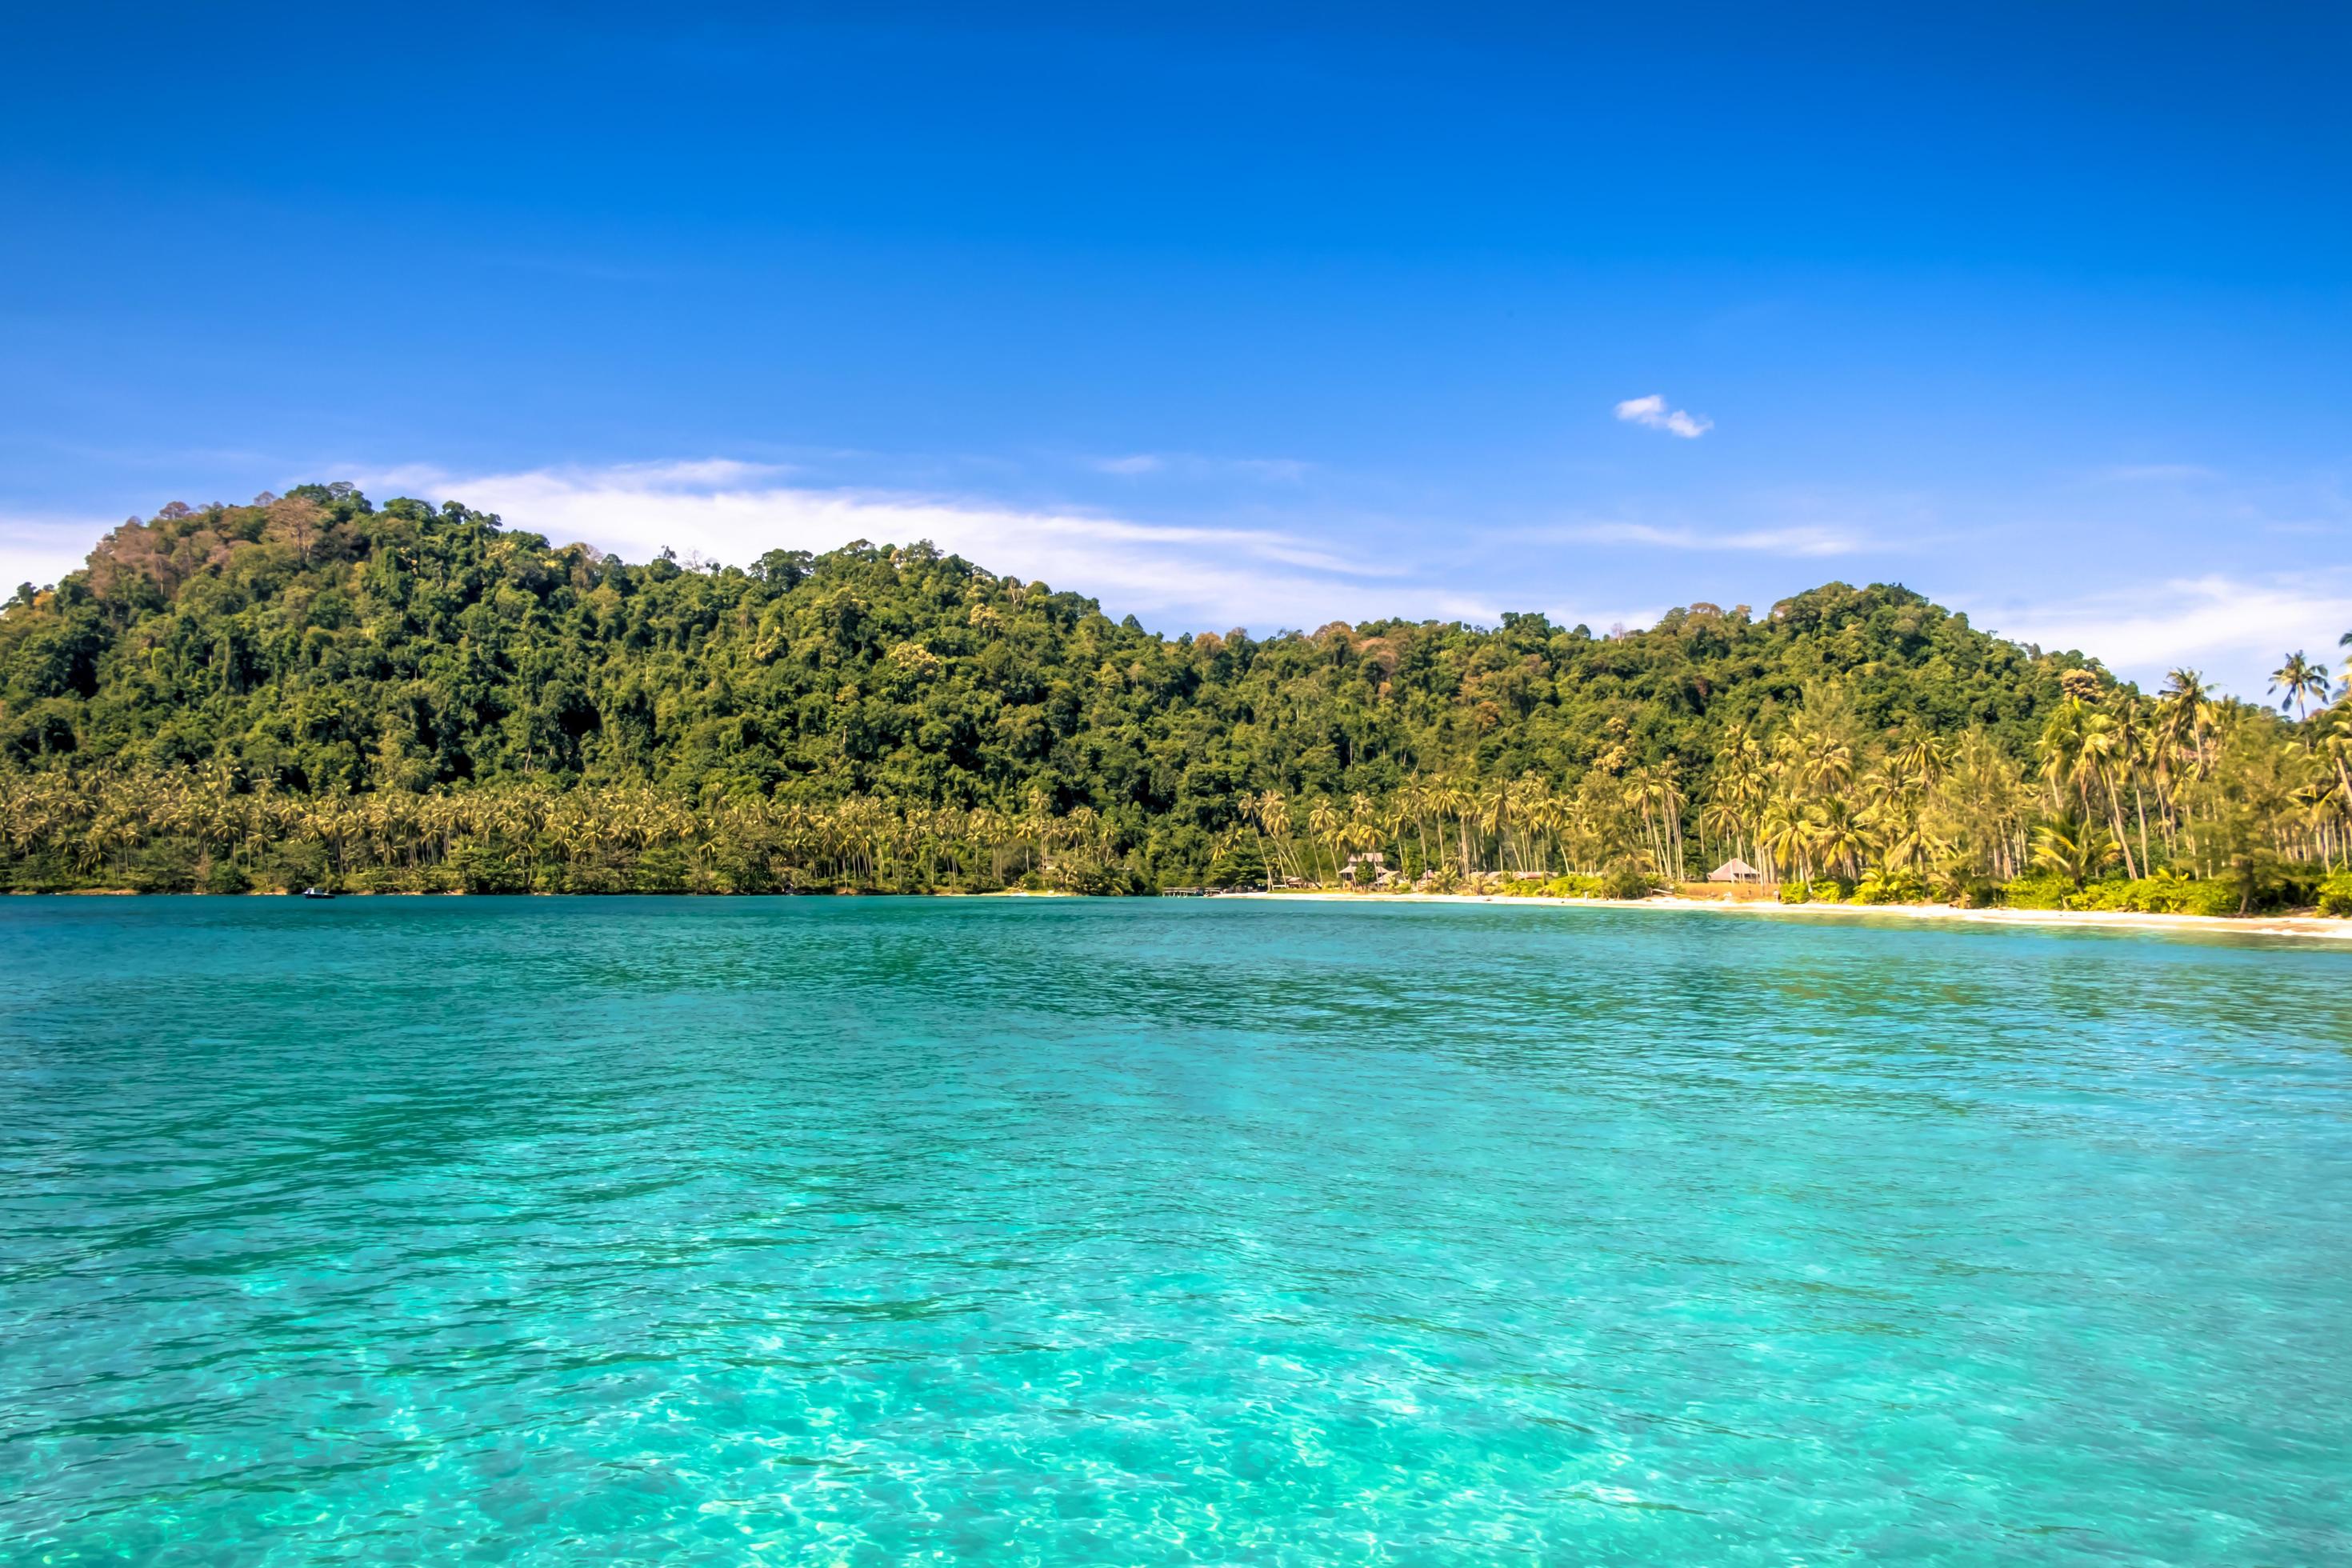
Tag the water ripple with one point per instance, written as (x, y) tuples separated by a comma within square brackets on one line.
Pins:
[(876, 1231)]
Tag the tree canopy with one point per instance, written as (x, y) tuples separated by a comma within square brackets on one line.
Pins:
[(318, 646)]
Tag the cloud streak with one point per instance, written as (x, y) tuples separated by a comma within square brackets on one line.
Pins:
[(2155, 473), (1177, 576), (1194, 466), (1652, 414), (1800, 542)]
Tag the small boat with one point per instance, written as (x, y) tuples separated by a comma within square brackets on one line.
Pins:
[(317, 893)]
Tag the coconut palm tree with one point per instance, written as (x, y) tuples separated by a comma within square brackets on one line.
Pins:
[(2135, 743), (1785, 836), (2299, 681), (2101, 746), (1323, 821), (2074, 846)]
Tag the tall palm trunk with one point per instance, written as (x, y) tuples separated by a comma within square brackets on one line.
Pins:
[(2115, 818), (2140, 805)]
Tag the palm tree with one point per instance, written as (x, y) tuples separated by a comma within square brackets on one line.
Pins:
[(2100, 745), (1493, 807), (1275, 813), (1323, 821), (2074, 845), (1836, 837), (2337, 744), (2188, 712), (1783, 836), (1254, 811), (1666, 788), (1457, 801), (1414, 801), (2300, 681), (2134, 744)]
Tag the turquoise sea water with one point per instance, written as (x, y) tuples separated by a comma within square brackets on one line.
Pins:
[(885, 1231)]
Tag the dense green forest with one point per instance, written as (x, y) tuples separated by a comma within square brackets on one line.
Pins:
[(312, 688)]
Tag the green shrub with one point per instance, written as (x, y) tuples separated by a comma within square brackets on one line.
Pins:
[(2166, 894), (2169, 894), (1828, 890), (1890, 887), (2041, 892), (1795, 893), (2335, 893), (1238, 865), (2203, 898), (2113, 895), (156, 869), (1096, 880), (1627, 883), (479, 868)]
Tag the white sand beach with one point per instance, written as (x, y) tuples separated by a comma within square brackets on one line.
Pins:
[(2319, 926)]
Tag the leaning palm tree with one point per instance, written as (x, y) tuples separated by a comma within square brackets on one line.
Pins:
[(1323, 820), (2299, 681), (2101, 744), (1255, 810)]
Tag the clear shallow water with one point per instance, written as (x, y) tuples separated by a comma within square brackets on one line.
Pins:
[(878, 1231)]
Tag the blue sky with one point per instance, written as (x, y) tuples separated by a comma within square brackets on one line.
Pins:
[(1231, 316)]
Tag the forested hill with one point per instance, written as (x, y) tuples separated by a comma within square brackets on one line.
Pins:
[(338, 647)]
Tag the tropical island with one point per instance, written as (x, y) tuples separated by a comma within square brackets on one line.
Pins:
[(312, 689)]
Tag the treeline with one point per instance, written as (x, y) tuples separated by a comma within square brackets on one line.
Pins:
[(211, 830), (314, 688)]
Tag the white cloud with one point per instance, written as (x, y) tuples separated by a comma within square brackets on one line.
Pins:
[(1652, 413), (41, 549), (2234, 629), (1802, 541), (1175, 575)]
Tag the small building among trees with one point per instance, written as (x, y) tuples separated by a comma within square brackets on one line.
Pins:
[(1735, 870)]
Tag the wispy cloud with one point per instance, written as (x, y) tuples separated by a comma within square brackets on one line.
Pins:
[(1195, 466), (1653, 414), (1802, 541), (2155, 473), (1177, 576), (2234, 629)]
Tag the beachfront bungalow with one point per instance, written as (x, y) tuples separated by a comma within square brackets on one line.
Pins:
[(1735, 870)]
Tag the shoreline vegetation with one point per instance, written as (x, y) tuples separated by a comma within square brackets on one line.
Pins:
[(310, 690)]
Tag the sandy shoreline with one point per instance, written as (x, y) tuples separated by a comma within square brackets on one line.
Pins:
[(2320, 926), (2325, 928)]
